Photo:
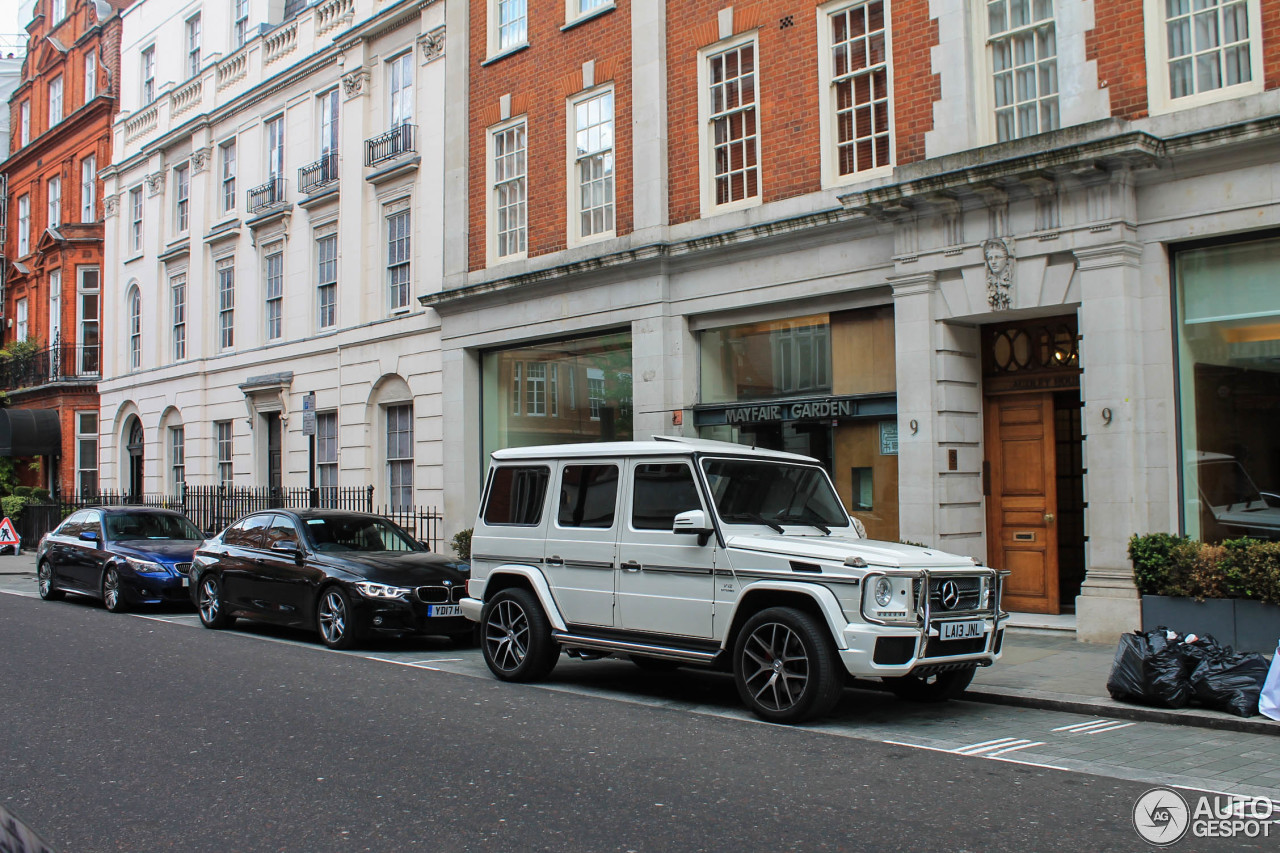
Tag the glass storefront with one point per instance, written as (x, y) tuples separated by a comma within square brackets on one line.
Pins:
[(558, 392), (821, 385), (1228, 305)]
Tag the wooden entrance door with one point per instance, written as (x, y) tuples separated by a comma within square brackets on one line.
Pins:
[(1021, 492)]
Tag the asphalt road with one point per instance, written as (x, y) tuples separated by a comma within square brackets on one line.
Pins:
[(142, 735)]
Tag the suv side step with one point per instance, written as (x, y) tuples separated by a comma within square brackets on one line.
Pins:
[(565, 638)]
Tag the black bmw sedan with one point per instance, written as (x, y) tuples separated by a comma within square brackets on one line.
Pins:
[(125, 555), (343, 574)]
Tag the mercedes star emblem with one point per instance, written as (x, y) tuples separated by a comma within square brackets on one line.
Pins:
[(950, 594)]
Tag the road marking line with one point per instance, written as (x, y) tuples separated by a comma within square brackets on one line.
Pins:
[(975, 748), (1026, 745), (1079, 727), (1109, 728), (1039, 764)]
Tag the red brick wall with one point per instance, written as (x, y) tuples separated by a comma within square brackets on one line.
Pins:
[(790, 129), (1117, 43), (540, 80), (1271, 43)]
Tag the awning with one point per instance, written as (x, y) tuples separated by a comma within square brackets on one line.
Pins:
[(30, 432)]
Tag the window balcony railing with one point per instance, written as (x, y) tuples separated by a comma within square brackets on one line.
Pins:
[(402, 139), (267, 196), (319, 174), (62, 362)]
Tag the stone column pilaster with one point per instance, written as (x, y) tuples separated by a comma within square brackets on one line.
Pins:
[(913, 335)]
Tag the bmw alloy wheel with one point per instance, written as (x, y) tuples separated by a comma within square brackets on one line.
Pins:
[(111, 595), (333, 617)]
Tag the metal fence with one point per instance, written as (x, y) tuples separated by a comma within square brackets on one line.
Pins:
[(212, 508)]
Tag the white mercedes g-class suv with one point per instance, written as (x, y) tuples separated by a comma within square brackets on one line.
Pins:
[(692, 552)]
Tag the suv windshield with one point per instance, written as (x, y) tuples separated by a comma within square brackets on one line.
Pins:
[(773, 494), (357, 534), (124, 526)]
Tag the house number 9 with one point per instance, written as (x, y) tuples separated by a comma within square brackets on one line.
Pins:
[(915, 426), (1106, 416)]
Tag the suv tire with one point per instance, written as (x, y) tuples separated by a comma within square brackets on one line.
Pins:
[(785, 667), (516, 637), (938, 687)]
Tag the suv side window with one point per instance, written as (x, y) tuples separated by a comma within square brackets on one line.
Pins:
[(661, 492), (517, 494), (247, 533), (588, 496)]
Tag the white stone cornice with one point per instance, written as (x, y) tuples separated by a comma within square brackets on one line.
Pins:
[(914, 284), (1108, 256)]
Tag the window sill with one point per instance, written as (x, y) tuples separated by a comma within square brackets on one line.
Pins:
[(394, 171), (503, 54), (588, 16), (178, 249), (400, 312)]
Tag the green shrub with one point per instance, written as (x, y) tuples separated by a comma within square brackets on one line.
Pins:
[(1164, 564), (12, 505), (461, 544)]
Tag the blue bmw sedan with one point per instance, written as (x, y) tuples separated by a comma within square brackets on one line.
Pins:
[(122, 555)]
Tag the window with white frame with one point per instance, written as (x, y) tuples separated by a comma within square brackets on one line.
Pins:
[(240, 22), (21, 323), (327, 457), (592, 165), (178, 314), (90, 76), (275, 148), (193, 45), (516, 385), (329, 123), (177, 457), (24, 121), (57, 10), (398, 259), (89, 189), (733, 134), (223, 436), (226, 270), (400, 456), (509, 195), (1022, 40), (595, 392), (327, 280), (857, 112), (135, 328), (148, 74), (508, 24), (1209, 46), (227, 151), (135, 219), (24, 225), (87, 453), (54, 193), (88, 294), (577, 8), (275, 292), (55, 306), (182, 196), (55, 100), (400, 85), (535, 388)]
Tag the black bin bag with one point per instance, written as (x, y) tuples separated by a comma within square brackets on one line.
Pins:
[(1230, 681), (1149, 670)]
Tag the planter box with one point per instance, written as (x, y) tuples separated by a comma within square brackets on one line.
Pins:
[(1249, 626)]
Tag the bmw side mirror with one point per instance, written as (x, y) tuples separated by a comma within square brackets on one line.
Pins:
[(88, 536), (692, 521)]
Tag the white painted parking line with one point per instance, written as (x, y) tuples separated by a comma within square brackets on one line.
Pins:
[(991, 757), (1093, 727), (976, 748), (1023, 745)]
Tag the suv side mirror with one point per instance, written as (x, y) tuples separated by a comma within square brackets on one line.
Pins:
[(692, 521)]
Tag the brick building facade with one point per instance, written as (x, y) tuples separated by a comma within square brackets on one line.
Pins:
[(61, 116)]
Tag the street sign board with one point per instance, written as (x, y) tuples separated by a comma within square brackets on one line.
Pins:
[(8, 536), (309, 414)]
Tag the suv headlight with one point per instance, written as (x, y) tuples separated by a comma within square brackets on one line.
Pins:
[(883, 591), (146, 566), (381, 590)]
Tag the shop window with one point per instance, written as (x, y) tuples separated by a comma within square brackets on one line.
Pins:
[(762, 360), (863, 489), (531, 394), (1229, 389)]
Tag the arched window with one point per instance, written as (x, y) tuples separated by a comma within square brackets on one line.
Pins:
[(135, 328)]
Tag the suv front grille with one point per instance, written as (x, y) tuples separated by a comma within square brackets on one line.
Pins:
[(441, 594), (964, 596)]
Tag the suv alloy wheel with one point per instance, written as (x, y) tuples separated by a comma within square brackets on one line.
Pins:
[(516, 637), (785, 667)]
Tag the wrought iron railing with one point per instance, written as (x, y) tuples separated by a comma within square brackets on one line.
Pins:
[(62, 362), (212, 508), (402, 139), (318, 174), (267, 196)]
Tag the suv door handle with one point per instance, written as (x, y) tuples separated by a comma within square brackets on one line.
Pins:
[(631, 566), (555, 560)]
